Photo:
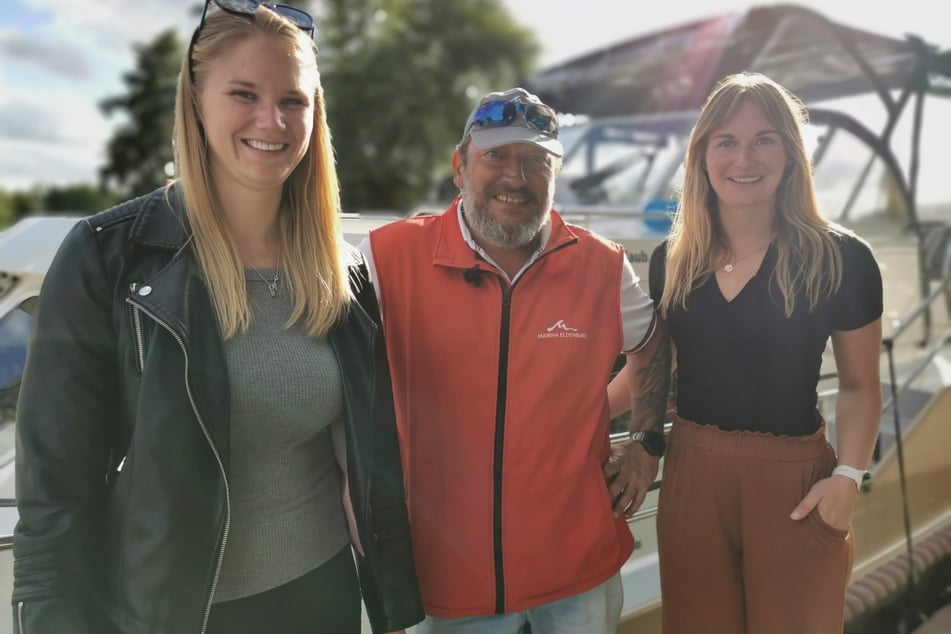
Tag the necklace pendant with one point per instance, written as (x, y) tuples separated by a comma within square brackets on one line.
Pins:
[(271, 284), (728, 267)]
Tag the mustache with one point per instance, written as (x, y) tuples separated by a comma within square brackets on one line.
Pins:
[(518, 192)]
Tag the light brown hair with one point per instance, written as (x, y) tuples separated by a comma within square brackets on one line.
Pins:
[(313, 253), (808, 260)]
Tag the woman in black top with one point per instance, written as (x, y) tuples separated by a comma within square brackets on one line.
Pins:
[(755, 507)]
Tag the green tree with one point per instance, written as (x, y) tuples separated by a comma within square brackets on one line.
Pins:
[(81, 198), (6, 210), (141, 147), (400, 78), (18, 204)]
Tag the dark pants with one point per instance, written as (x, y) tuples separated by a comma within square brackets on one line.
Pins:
[(731, 559), (323, 601)]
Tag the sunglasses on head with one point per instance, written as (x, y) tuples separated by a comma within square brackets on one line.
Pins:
[(300, 19), (498, 114)]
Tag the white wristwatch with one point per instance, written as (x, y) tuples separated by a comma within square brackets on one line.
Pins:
[(853, 474)]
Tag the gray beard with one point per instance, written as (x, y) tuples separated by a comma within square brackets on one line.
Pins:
[(487, 229)]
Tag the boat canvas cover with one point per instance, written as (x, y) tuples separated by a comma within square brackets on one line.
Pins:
[(675, 69)]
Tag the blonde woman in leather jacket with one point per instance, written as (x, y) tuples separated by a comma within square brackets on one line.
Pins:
[(206, 424)]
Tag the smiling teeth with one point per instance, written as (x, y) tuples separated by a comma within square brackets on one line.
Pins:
[(268, 147), (745, 179), (510, 200)]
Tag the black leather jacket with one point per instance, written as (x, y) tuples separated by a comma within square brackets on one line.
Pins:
[(123, 445)]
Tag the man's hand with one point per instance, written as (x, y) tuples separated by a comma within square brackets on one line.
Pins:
[(629, 472)]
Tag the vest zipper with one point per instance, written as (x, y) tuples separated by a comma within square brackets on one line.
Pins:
[(20, 617), (499, 441), (501, 395), (214, 450)]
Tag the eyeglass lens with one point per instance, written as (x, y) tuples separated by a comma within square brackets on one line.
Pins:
[(295, 16), (502, 113)]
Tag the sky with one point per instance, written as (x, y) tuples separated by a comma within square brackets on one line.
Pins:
[(60, 58)]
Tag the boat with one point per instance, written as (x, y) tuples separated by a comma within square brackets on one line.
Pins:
[(626, 112)]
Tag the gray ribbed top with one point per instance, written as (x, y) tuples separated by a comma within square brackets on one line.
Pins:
[(286, 512)]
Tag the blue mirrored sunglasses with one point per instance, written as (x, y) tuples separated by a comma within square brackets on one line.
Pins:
[(498, 114), (295, 16)]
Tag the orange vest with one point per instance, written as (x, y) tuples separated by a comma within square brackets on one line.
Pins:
[(502, 410)]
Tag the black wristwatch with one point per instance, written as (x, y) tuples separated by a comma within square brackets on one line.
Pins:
[(653, 441)]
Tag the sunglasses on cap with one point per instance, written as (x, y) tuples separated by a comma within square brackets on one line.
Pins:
[(297, 17), (498, 114)]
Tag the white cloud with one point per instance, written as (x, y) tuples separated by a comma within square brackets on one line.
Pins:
[(114, 24), (25, 164), (50, 117), (50, 137), (59, 58)]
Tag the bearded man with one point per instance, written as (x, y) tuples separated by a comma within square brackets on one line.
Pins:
[(502, 325)]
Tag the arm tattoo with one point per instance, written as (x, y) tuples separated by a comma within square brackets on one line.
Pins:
[(650, 407)]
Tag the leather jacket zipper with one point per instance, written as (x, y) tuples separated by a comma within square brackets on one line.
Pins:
[(214, 450), (137, 332)]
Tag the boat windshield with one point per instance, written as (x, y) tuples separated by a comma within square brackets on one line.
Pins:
[(14, 335), (628, 162), (15, 328)]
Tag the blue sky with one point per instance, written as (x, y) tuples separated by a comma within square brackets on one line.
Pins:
[(60, 58)]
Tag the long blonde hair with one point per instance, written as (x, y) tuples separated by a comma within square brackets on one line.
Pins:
[(313, 254), (808, 260)]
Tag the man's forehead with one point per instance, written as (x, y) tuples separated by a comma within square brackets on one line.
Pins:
[(525, 148)]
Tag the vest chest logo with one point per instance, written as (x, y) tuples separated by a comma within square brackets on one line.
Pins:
[(561, 330)]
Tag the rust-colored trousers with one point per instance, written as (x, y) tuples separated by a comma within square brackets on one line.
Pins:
[(731, 559)]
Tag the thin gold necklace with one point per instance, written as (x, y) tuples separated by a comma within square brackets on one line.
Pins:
[(729, 266)]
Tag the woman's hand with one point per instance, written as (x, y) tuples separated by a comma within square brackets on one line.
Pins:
[(833, 498)]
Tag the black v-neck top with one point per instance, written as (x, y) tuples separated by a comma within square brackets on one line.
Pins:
[(742, 364)]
